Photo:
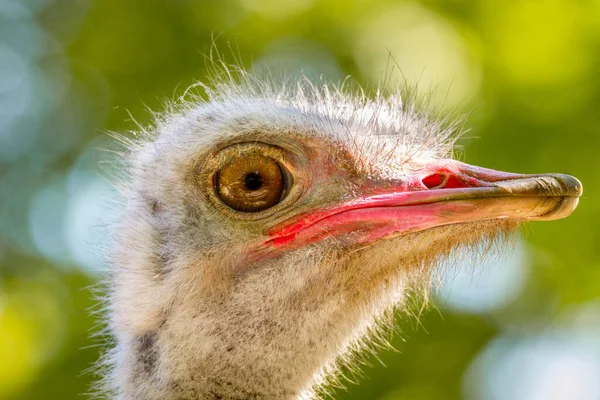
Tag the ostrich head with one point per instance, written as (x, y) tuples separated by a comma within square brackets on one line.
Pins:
[(268, 230)]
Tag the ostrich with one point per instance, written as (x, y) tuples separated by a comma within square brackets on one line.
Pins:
[(270, 229)]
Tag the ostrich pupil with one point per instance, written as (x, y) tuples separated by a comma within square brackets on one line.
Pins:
[(253, 181)]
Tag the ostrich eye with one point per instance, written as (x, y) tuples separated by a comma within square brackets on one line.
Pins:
[(251, 184)]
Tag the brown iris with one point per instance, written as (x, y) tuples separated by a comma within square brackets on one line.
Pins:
[(251, 184)]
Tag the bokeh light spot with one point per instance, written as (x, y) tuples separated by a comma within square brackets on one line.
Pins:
[(46, 216), (16, 98), (547, 367), (428, 50), (32, 325), (485, 289), (88, 221)]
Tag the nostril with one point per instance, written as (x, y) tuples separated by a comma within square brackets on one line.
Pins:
[(445, 181), (435, 181)]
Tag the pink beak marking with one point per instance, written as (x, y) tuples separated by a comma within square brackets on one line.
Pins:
[(447, 192)]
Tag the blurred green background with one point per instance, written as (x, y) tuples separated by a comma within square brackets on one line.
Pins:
[(527, 326)]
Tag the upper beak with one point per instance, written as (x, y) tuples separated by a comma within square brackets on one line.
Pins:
[(447, 192)]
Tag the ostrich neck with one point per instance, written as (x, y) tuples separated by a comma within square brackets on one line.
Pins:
[(270, 335), (267, 344)]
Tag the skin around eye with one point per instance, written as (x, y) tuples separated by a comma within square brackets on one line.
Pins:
[(251, 184)]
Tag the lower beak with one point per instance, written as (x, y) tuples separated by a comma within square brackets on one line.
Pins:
[(447, 192)]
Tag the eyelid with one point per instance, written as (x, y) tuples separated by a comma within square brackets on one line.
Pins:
[(264, 149)]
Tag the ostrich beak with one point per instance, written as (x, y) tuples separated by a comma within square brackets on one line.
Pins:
[(443, 193)]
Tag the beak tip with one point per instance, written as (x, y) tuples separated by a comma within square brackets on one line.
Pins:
[(571, 185), (568, 189)]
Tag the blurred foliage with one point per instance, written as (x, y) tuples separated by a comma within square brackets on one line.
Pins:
[(70, 70)]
